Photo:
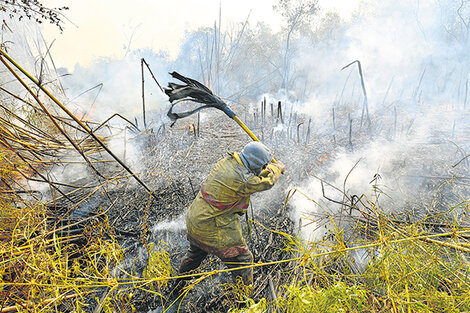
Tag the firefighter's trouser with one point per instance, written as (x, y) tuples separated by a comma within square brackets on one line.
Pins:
[(196, 255)]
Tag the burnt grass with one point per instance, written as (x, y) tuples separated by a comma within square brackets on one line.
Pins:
[(173, 162)]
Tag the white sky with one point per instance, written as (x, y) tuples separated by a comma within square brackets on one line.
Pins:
[(104, 28)]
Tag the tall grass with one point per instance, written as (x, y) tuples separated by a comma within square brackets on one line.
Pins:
[(411, 267), (408, 268)]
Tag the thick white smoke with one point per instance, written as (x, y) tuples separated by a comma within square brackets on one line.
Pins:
[(121, 89), (395, 41), (414, 57)]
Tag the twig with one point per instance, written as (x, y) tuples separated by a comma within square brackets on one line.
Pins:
[(59, 118), (468, 155), (350, 130), (329, 199), (419, 84), (298, 135), (102, 299), (198, 122), (271, 288), (151, 73), (365, 104), (143, 92), (49, 115), (35, 170), (307, 136), (347, 176), (107, 120), (87, 129), (32, 304), (279, 112)]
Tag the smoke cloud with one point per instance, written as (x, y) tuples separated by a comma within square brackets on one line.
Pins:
[(415, 65)]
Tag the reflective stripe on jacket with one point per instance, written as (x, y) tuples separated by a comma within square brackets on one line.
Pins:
[(212, 219)]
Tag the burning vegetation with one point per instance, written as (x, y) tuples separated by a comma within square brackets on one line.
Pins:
[(370, 216)]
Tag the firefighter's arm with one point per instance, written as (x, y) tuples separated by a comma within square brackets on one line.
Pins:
[(266, 179)]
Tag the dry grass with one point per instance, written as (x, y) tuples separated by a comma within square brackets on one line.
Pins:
[(43, 268), (409, 269)]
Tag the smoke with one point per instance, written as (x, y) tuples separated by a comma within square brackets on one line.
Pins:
[(176, 225), (414, 58), (117, 87), (415, 65), (397, 177), (416, 50)]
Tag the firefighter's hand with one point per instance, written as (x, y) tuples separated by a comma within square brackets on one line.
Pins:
[(281, 166)]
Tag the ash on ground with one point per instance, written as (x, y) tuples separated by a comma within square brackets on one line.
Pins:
[(174, 161)]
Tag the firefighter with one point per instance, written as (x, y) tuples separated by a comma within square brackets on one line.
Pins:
[(212, 219)]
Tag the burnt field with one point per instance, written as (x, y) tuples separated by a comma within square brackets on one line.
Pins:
[(174, 162), (94, 212)]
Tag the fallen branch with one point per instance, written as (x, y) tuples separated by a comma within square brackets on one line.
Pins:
[(27, 305)]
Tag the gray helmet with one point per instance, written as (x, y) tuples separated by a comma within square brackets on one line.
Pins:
[(254, 156)]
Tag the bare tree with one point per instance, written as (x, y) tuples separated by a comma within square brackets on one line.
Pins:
[(297, 13), (33, 10), (248, 59)]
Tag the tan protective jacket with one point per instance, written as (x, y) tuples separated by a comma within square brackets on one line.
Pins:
[(212, 219)]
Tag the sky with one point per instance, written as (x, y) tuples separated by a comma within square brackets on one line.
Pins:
[(108, 28)]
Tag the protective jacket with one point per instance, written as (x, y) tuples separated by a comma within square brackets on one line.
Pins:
[(212, 219)]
